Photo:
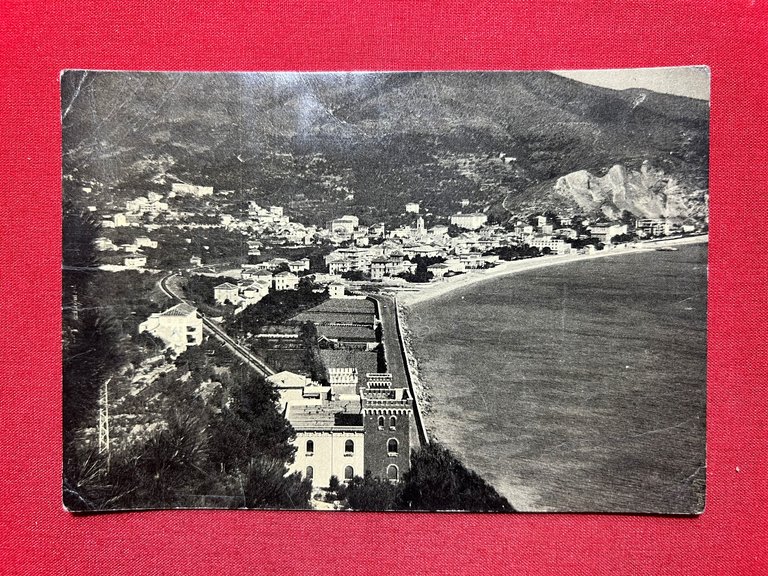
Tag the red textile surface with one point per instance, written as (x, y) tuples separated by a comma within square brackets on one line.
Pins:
[(37, 39)]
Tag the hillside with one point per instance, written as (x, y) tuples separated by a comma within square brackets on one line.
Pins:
[(324, 144)]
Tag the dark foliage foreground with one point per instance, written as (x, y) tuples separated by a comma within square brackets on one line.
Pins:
[(436, 481)]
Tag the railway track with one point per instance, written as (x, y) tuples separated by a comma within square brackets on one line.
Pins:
[(256, 363)]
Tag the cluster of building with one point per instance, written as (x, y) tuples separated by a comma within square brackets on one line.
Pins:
[(256, 281), (356, 419), (373, 250)]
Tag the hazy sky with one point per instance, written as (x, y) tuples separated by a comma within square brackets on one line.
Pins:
[(692, 81)]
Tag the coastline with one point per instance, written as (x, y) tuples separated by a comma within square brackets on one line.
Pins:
[(405, 300), (453, 283)]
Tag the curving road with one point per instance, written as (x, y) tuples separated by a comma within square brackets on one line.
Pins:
[(243, 353)]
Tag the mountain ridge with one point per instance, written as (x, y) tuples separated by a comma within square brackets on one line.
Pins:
[(386, 137)]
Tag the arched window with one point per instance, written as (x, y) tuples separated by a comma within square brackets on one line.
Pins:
[(392, 473), (310, 447), (392, 422), (381, 422), (392, 446), (348, 473), (349, 447), (310, 472)]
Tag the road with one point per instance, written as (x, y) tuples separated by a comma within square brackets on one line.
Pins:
[(395, 357), (209, 326)]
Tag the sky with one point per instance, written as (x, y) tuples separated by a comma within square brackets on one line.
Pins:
[(691, 81)]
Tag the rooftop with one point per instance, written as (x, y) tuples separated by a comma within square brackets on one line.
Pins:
[(182, 309), (326, 416), (347, 333)]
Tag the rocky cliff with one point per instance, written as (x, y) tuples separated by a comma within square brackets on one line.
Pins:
[(645, 192)]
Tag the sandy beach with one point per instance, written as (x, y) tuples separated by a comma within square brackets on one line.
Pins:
[(446, 285)]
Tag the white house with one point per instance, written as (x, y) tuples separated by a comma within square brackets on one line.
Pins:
[(285, 281), (226, 292), (145, 242), (178, 327), (555, 245), (605, 232), (299, 265), (254, 291), (412, 207), (345, 225)]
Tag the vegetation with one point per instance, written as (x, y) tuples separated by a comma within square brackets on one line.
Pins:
[(204, 431), (508, 253), (437, 480), (199, 288), (276, 307)]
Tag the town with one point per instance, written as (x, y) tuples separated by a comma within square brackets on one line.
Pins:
[(342, 383)]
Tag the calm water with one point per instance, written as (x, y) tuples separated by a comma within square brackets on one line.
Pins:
[(577, 387)]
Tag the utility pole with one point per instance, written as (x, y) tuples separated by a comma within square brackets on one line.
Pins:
[(104, 419)]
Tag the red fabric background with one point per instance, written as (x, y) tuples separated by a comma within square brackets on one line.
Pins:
[(38, 39)]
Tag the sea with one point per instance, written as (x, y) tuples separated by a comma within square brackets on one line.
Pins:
[(577, 387)]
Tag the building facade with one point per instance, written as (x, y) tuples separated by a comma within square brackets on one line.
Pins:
[(179, 327), (469, 221), (387, 414)]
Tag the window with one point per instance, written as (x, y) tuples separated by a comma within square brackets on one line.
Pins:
[(348, 473), (310, 472), (349, 447), (392, 422), (381, 422), (392, 446), (310, 447), (392, 473)]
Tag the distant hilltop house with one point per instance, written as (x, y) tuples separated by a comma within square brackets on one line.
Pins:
[(196, 261), (179, 189), (145, 242), (179, 327), (346, 430), (469, 221), (412, 207)]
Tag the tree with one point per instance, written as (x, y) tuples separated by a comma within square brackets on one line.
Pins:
[(371, 494), (264, 484), (437, 480), (250, 426)]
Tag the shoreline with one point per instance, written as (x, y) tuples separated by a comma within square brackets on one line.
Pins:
[(404, 301), (446, 286)]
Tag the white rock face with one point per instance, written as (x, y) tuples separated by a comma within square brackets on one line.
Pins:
[(646, 193)]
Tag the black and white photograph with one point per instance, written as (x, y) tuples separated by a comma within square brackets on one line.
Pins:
[(385, 291)]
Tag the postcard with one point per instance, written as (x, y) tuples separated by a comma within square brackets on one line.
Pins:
[(441, 291)]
